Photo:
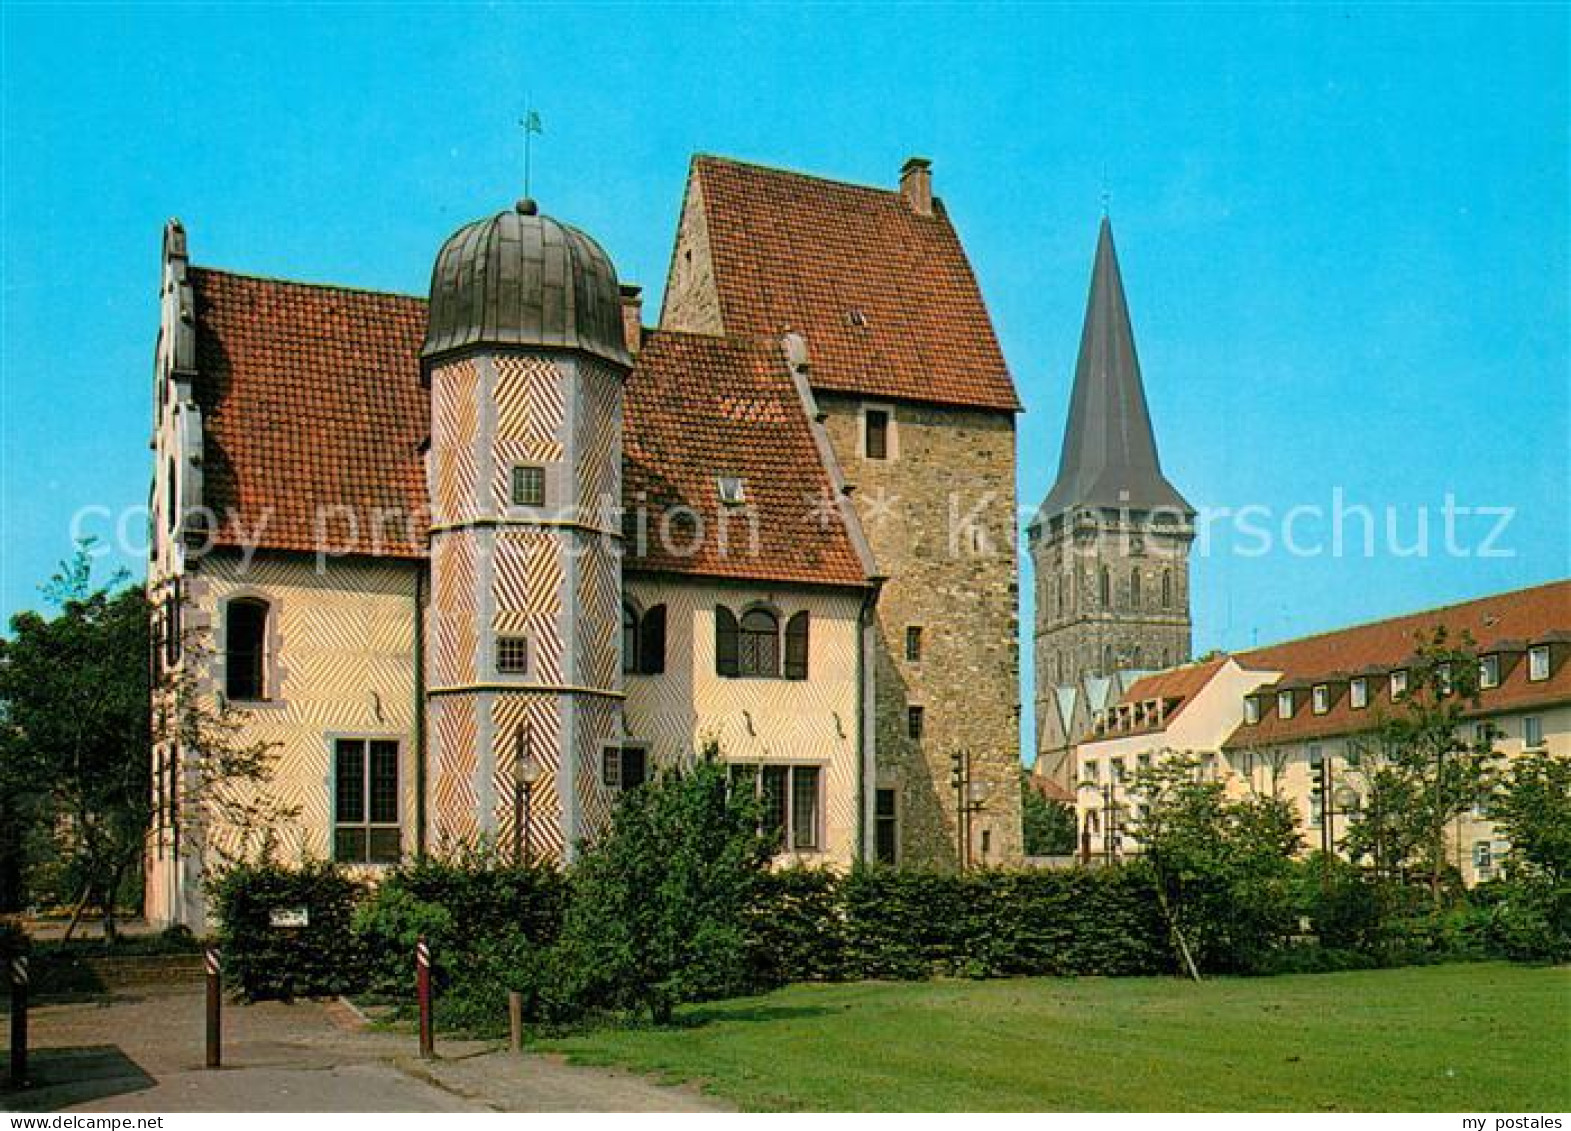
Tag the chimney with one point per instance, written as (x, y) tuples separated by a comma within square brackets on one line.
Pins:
[(916, 185), (633, 316)]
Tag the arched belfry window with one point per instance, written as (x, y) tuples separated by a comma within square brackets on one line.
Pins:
[(1167, 589), (245, 649), (1134, 588), (1105, 587), (1062, 584)]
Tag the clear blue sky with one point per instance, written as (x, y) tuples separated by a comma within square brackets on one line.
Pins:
[(1343, 230)]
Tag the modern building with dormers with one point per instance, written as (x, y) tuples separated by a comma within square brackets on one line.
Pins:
[(434, 547), (1293, 717)]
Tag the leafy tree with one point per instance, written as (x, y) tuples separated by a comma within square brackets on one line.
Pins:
[(1222, 868), (657, 913), (1420, 771), (1533, 808), (1049, 827), (74, 692)]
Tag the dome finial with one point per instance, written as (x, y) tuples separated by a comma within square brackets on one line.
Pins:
[(526, 206)]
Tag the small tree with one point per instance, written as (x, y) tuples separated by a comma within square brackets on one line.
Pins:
[(1421, 772), (1049, 827), (1222, 868), (657, 914), (1533, 808)]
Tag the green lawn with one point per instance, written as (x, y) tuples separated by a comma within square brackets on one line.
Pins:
[(1486, 1037)]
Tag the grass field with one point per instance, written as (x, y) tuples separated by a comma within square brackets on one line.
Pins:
[(1486, 1037)]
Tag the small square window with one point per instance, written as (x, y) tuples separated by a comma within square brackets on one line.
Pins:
[(1322, 699), (876, 440), (1399, 683), (915, 721), (1483, 856), (1538, 662), (1358, 694), (528, 486), (512, 654), (914, 644), (733, 492)]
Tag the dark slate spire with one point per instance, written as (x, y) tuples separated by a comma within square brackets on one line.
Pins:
[(1109, 457)]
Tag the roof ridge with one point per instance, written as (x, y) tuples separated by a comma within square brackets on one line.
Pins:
[(343, 288), (781, 170), (1429, 612), (705, 335)]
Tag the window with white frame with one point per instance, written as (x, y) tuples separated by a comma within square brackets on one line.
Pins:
[(1488, 671), (1251, 710), (1399, 683), (1483, 856), (1321, 697), (1538, 662), (1284, 704), (1358, 693)]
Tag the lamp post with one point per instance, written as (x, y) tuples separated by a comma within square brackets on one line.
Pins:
[(526, 772)]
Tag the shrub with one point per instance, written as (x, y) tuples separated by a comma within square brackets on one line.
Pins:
[(263, 961)]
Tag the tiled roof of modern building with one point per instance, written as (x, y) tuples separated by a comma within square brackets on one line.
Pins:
[(1512, 619), (1175, 688), (883, 294), (314, 412)]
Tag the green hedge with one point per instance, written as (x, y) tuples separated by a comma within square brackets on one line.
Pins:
[(263, 961)]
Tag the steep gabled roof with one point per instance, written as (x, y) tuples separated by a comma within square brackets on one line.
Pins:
[(1109, 456), (700, 407), (884, 295), (1175, 688), (313, 411)]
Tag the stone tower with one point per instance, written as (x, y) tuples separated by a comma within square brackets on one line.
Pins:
[(1110, 545), (525, 357)]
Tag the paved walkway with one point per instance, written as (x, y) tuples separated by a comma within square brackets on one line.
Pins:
[(144, 1052)]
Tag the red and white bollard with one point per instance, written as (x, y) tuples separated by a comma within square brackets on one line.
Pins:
[(215, 996), (423, 992), (20, 979)]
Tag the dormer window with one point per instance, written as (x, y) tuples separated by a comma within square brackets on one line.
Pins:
[(733, 492), (1358, 693), (1399, 683), (1489, 671), (1446, 685), (1321, 698), (1284, 704), (1251, 710), (1538, 662), (856, 318)]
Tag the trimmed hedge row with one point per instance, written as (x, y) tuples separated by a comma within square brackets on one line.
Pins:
[(809, 925)]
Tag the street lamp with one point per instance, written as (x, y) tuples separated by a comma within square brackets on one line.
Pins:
[(526, 772)]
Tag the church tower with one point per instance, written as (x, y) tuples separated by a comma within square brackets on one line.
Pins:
[(1110, 545), (525, 357)]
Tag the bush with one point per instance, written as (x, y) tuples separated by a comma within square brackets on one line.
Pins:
[(262, 961), (1530, 921)]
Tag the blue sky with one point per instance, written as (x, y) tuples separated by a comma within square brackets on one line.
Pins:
[(1343, 229)]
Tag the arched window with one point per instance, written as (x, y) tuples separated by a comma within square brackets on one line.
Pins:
[(643, 641), (796, 646), (758, 652), (728, 643), (1134, 588), (1167, 589), (245, 649), (1105, 588)]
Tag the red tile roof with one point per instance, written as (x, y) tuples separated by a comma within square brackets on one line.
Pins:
[(1524, 614), (698, 407), (1175, 687), (795, 252), (312, 406), (312, 403)]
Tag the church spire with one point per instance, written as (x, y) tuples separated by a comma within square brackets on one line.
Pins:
[(1109, 457)]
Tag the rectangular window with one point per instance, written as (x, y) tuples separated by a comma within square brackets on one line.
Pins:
[(623, 767), (1483, 856), (914, 644), (1284, 704), (886, 829), (1489, 671), (528, 486), (1316, 808), (1532, 731), (1358, 693), (733, 493), (1538, 663), (1321, 698), (512, 654), (1091, 769), (915, 720), (1315, 757), (876, 422), (1399, 683), (792, 801), (1251, 710), (365, 801), (1116, 766)]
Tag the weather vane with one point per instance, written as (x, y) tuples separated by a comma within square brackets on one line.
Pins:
[(531, 125)]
